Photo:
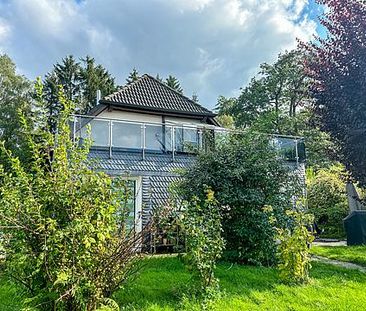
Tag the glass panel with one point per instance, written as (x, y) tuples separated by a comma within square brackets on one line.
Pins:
[(155, 138), (126, 135), (168, 138), (99, 131), (130, 205), (126, 213), (286, 148), (186, 139), (301, 150)]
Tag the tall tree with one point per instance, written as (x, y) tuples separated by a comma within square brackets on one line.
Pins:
[(80, 82), (173, 83), (278, 101), (337, 64), (133, 76), (14, 97), (94, 77), (273, 97)]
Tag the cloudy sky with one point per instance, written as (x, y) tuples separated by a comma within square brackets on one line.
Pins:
[(212, 46)]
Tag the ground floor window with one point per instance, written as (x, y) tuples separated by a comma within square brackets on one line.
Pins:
[(129, 213)]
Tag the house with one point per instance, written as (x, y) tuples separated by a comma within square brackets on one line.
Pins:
[(147, 132)]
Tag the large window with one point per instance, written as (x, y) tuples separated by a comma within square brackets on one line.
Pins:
[(128, 215)]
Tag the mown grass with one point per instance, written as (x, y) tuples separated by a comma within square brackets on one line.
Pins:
[(163, 283), (354, 254)]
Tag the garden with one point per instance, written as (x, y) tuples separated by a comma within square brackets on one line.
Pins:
[(245, 216)]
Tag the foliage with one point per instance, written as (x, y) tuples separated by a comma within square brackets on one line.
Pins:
[(133, 76), (278, 101), (173, 83), (277, 93), (354, 254), (201, 222), (14, 96), (327, 199), (246, 176), (63, 222), (80, 82), (337, 66), (293, 251)]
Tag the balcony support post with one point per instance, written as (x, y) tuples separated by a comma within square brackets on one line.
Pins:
[(143, 135), (173, 143), (296, 153), (74, 130)]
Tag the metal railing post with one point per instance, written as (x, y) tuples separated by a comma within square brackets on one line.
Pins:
[(173, 142), (110, 139), (143, 143), (296, 153), (74, 130)]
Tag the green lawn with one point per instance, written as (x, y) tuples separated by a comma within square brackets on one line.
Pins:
[(355, 254), (163, 282)]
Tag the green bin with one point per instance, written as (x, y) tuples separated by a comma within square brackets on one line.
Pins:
[(355, 226)]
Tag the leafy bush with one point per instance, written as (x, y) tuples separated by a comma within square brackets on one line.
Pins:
[(327, 199), (201, 222), (62, 231), (246, 175), (293, 251)]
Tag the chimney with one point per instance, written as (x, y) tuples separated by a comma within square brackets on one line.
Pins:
[(99, 96)]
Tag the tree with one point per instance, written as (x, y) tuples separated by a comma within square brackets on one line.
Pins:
[(15, 96), (249, 181), (80, 82), (63, 222), (337, 65), (93, 78), (273, 98), (279, 101), (133, 76), (173, 83)]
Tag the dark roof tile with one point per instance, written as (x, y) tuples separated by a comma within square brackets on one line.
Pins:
[(149, 93)]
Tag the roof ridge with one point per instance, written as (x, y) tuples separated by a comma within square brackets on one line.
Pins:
[(175, 91)]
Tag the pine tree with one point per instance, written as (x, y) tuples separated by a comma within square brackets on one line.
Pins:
[(173, 83), (133, 76)]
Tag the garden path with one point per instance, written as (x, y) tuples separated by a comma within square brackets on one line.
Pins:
[(344, 264)]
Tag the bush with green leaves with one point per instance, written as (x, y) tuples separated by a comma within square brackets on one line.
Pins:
[(293, 251), (201, 222), (61, 222), (246, 175), (327, 199)]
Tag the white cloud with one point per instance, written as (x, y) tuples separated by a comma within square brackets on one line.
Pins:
[(212, 46)]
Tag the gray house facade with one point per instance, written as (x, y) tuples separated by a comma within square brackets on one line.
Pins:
[(146, 132)]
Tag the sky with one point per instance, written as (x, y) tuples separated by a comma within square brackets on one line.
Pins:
[(213, 47)]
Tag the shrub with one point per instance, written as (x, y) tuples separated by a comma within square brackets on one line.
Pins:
[(293, 251), (327, 199), (62, 223), (246, 175)]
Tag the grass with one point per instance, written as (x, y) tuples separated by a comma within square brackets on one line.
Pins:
[(163, 282), (354, 254)]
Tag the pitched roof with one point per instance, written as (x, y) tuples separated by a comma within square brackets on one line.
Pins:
[(148, 93)]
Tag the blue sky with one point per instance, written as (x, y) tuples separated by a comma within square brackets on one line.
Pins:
[(213, 47)]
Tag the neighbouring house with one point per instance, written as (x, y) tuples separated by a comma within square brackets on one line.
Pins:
[(146, 132)]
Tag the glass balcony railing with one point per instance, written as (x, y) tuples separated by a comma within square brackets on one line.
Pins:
[(114, 135), (148, 137)]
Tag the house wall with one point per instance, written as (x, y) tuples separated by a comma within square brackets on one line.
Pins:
[(131, 116), (145, 117)]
